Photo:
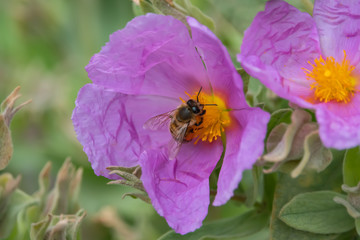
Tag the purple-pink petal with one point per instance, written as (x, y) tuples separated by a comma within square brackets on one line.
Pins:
[(140, 73), (152, 55), (109, 126), (338, 23), (223, 76), (179, 189), (339, 123), (244, 140), (244, 145), (282, 40), (277, 46)]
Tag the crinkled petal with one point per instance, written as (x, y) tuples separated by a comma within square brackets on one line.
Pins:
[(179, 189), (339, 123), (109, 125), (225, 80), (244, 145), (227, 83), (152, 55), (277, 46), (338, 23)]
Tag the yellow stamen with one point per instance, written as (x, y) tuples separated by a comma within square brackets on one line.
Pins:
[(215, 119), (331, 80)]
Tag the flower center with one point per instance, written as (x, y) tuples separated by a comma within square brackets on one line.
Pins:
[(211, 124), (331, 80)]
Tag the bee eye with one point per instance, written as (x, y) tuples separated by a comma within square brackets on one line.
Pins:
[(195, 109)]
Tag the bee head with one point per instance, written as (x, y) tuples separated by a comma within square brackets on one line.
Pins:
[(194, 106)]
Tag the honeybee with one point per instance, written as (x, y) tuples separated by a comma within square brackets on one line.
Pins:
[(181, 122)]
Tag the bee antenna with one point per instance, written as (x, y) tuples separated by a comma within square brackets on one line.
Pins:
[(197, 97), (208, 104)]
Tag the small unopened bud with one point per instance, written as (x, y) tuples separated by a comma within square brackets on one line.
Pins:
[(130, 177), (55, 227), (7, 113)]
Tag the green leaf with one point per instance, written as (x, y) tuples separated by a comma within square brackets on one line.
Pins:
[(19, 201), (38, 229), (137, 9), (347, 235), (352, 203), (357, 225), (75, 225), (351, 167), (261, 235), (269, 189), (142, 196), (196, 13), (316, 156), (253, 184), (128, 176), (146, 7), (317, 212), (240, 226), (245, 78), (166, 7), (138, 186), (55, 227), (279, 150), (277, 117), (288, 187), (256, 91)]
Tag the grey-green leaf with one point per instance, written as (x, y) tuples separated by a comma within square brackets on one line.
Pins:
[(245, 78), (146, 7), (317, 212), (196, 13), (351, 167), (18, 202), (279, 116), (287, 188), (240, 226), (357, 225), (166, 7)]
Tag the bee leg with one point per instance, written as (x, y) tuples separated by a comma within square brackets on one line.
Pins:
[(199, 123), (202, 113)]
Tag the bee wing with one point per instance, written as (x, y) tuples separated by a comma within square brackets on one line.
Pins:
[(159, 121), (175, 145)]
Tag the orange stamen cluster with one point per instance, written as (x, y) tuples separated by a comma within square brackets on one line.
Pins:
[(331, 80), (213, 121)]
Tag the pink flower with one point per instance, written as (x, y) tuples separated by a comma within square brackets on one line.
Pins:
[(313, 62), (142, 72)]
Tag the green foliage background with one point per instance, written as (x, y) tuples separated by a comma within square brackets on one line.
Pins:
[(44, 47)]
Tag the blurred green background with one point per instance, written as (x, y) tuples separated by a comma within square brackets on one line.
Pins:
[(44, 47)]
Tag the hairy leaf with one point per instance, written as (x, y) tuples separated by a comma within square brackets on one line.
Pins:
[(317, 212), (195, 12), (240, 226), (351, 168), (288, 187), (279, 116)]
